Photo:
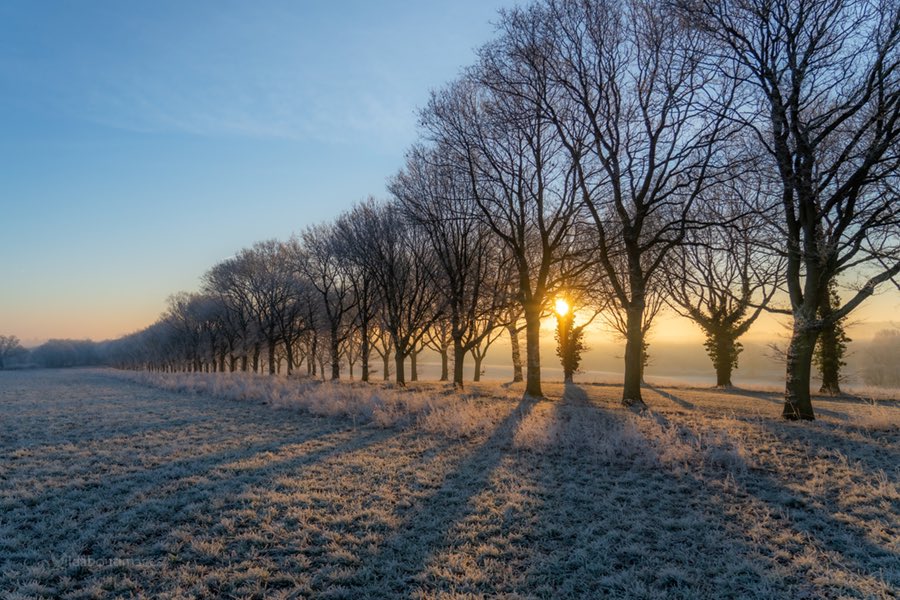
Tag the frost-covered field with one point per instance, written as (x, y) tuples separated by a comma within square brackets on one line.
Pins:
[(248, 487)]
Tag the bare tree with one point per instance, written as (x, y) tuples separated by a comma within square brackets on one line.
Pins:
[(228, 281), (383, 346), (640, 115), (438, 338), (470, 270), (319, 262), (722, 278), (479, 350), (262, 280), (822, 85), (492, 127), (399, 260), (348, 231), (185, 317)]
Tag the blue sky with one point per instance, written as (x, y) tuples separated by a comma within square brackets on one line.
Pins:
[(144, 141)]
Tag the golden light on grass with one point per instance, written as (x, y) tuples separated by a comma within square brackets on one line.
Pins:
[(562, 307)]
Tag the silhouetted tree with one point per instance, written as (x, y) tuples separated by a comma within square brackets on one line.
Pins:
[(318, 260), (491, 127), (471, 272), (831, 347), (397, 255), (723, 277), (638, 107), (9, 347), (821, 90), (569, 344)]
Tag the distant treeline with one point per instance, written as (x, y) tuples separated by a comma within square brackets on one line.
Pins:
[(873, 362), (55, 354)]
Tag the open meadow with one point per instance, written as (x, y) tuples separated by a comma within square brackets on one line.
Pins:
[(159, 486)]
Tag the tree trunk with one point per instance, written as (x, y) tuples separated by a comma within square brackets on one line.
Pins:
[(477, 360), (289, 353), (256, 358), (516, 353), (723, 374), (797, 401), (413, 365), (232, 363), (271, 357), (634, 345), (335, 356), (725, 352), (459, 356), (364, 354), (445, 364), (533, 350), (386, 359), (398, 364), (244, 363), (829, 351)]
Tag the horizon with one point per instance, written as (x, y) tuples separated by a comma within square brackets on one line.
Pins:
[(146, 145)]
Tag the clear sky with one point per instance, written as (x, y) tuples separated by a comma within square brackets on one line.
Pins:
[(142, 142)]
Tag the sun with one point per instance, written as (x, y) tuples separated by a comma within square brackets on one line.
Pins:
[(562, 307)]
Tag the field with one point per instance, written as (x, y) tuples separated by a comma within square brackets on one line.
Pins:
[(178, 487)]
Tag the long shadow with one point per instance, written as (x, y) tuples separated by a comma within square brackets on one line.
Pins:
[(670, 396), (113, 437), (857, 553), (778, 400), (857, 449), (574, 395), (168, 468), (405, 554), (113, 513), (178, 410), (624, 529), (225, 481)]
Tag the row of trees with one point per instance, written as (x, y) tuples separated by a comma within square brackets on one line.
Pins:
[(701, 153), (385, 279)]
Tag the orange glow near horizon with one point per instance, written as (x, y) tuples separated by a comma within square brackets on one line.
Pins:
[(85, 313)]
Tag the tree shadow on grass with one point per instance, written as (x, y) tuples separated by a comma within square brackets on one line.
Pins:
[(392, 569), (808, 543), (614, 522), (777, 399), (670, 396), (874, 450), (131, 517)]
